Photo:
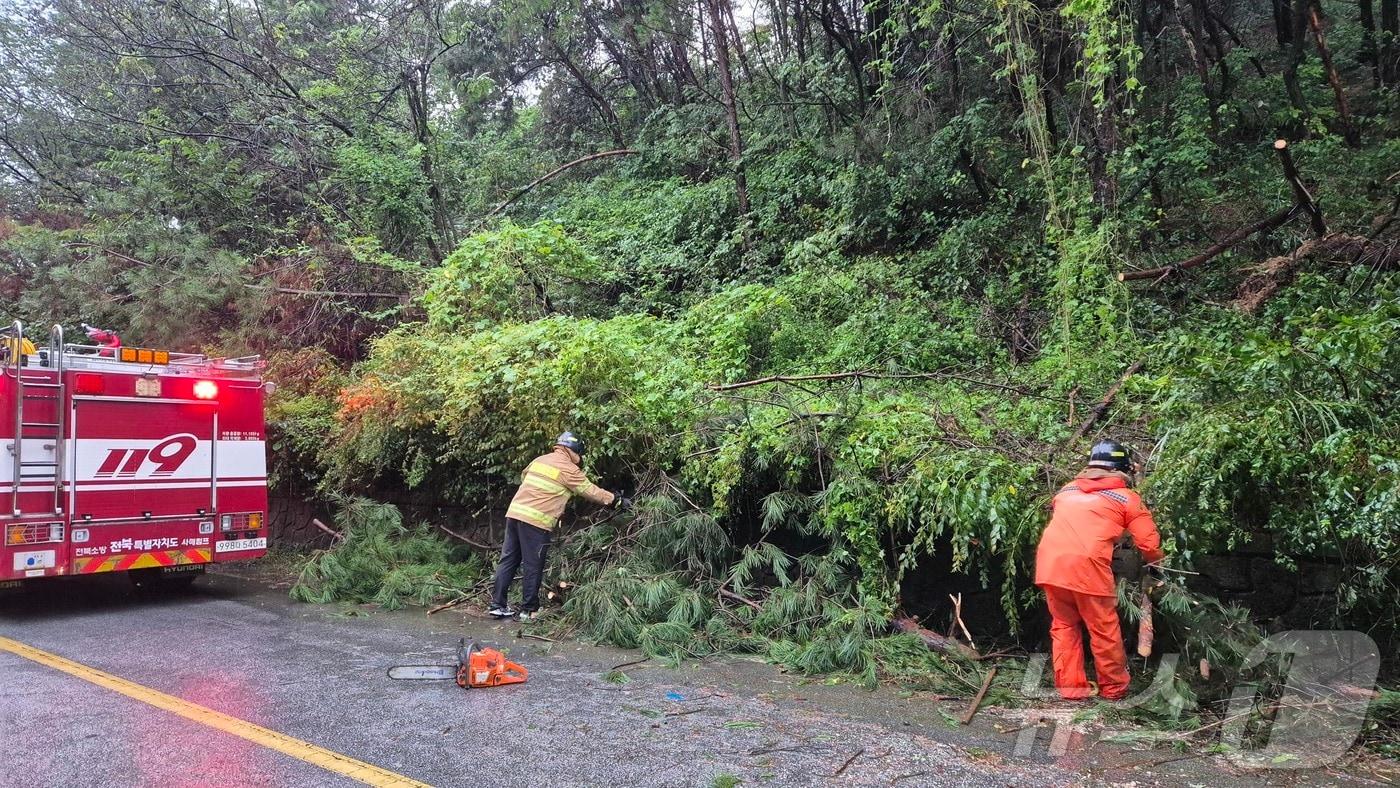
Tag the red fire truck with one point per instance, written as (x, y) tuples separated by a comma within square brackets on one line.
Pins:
[(127, 459)]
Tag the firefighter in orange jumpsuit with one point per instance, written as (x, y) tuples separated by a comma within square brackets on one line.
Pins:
[(1074, 566)]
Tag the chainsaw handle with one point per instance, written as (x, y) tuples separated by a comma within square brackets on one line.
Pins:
[(516, 672), (464, 662), (464, 651)]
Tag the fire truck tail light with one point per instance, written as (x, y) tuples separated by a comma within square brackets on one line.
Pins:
[(242, 521), (206, 389), (89, 384)]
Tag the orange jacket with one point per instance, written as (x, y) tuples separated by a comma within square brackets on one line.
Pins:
[(1090, 515), (546, 487)]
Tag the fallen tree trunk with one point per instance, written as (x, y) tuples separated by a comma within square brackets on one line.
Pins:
[(1273, 274), (1262, 226), (1302, 201), (935, 641)]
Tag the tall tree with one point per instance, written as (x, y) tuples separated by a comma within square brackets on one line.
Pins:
[(718, 10), (1369, 54), (1316, 23), (1390, 51)]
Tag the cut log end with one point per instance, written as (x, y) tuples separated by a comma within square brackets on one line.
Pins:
[(1280, 144), (1145, 628), (934, 641)]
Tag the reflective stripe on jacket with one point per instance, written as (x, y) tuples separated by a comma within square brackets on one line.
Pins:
[(1091, 514), (546, 487)]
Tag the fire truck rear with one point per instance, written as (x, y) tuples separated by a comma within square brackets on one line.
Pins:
[(125, 459)]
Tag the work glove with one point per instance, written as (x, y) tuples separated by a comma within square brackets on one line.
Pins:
[(621, 502)]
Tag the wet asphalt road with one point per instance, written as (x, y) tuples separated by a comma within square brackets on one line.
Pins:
[(317, 673)]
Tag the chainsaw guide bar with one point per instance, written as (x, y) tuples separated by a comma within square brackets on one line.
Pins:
[(423, 672)]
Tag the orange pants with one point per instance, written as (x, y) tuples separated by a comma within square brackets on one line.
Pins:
[(1099, 614)]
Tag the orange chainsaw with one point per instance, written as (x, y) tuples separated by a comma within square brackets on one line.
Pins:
[(476, 667)]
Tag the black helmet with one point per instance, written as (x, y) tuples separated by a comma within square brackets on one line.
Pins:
[(1111, 455), (570, 442)]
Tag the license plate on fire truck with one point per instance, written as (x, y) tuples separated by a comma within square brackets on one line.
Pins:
[(235, 545)]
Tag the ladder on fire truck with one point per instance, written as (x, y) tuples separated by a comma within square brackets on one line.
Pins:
[(38, 388)]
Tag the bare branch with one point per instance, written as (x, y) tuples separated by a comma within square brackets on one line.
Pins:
[(553, 174)]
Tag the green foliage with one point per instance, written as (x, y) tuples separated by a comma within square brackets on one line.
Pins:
[(1109, 53), (462, 414), (667, 238), (667, 594), (195, 181), (1289, 431), (511, 274), (383, 561), (1092, 308), (1384, 729), (387, 190), (140, 276), (300, 413)]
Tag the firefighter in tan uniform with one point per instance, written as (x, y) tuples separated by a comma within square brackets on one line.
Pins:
[(545, 489)]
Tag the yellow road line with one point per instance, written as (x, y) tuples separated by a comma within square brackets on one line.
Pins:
[(366, 773)]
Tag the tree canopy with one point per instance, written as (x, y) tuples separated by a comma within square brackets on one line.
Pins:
[(849, 285)]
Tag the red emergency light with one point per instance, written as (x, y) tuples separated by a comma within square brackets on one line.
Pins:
[(206, 389)]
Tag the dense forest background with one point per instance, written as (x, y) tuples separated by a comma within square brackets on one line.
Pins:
[(841, 285)]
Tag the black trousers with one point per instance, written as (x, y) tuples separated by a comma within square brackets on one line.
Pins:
[(525, 544)]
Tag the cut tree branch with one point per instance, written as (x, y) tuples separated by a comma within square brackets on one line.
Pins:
[(472, 542), (338, 536), (448, 605), (957, 618), (977, 700), (1102, 407), (1300, 192), (727, 594), (325, 293), (859, 374)]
